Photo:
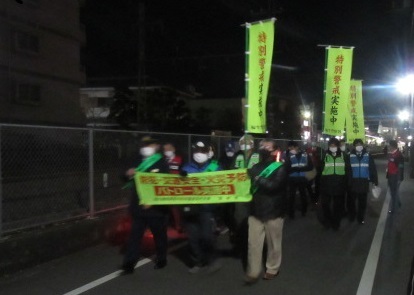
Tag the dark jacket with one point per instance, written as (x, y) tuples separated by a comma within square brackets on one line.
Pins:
[(269, 200), (334, 184), (361, 185), (137, 210)]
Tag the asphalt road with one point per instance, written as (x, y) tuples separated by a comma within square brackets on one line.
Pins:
[(373, 258)]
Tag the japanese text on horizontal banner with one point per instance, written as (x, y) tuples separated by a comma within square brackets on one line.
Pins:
[(198, 188)]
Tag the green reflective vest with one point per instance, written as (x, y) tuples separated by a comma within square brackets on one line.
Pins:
[(334, 166)]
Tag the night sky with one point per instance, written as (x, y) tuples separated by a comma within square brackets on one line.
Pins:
[(200, 45)]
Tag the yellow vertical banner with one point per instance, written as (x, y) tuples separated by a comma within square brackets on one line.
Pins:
[(337, 85), (260, 39), (355, 127)]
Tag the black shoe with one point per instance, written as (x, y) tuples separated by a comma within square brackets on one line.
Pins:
[(128, 268), (160, 264)]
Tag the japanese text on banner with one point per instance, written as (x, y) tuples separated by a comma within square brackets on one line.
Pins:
[(337, 81), (199, 188)]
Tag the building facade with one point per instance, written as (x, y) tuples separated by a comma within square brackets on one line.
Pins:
[(40, 62)]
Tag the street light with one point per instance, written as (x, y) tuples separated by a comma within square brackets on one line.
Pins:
[(405, 85)]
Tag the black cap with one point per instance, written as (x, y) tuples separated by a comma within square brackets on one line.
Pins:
[(200, 147), (147, 140)]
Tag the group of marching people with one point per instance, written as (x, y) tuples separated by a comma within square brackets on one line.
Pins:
[(334, 180)]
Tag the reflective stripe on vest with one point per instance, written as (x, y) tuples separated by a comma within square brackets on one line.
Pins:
[(240, 163), (334, 166), (360, 169), (294, 163)]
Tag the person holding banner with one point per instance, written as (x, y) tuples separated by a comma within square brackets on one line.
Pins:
[(199, 219), (333, 185), (268, 209), (362, 172), (143, 216)]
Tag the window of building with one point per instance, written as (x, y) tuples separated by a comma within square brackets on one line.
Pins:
[(26, 93), (27, 42)]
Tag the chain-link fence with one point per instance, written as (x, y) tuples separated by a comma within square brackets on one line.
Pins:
[(52, 174)]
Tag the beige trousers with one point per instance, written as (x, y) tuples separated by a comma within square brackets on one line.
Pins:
[(258, 231)]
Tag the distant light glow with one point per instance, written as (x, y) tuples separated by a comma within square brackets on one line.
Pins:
[(307, 114), (404, 115), (405, 85)]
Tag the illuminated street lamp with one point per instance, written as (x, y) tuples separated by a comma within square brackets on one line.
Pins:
[(404, 115), (406, 86)]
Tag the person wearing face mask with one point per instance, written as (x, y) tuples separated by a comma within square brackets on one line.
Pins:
[(144, 216), (298, 162), (395, 174), (268, 209), (333, 185), (246, 157), (199, 220), (362, 172), (174, 163), (227, 160)]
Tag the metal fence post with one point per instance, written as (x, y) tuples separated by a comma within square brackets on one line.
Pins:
[(91, 176), (1, 190)]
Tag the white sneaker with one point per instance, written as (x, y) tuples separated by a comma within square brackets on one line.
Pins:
[(195, 269)]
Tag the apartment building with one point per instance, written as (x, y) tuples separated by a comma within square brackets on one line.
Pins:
[(40, 62)]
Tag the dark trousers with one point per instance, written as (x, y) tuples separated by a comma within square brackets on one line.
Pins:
[(359, 213), (393, 183), (201, 237), (333, 208), (294, 185), (314, 192), (158, 227)]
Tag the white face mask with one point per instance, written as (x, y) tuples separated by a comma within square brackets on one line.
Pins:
[(343, 148), (210, 154), (245, 147), (293, 152), (229, 154), (200, 157), (333, 149), (359, 148), (147, 151), (169, 154)]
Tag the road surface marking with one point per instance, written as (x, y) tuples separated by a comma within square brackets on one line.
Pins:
[(116, 274), (368, 276)]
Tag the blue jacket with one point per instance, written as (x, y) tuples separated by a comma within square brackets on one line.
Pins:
[(193, 167)]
